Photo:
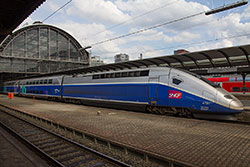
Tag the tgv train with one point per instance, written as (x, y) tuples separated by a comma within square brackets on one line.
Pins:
[(157, 90)]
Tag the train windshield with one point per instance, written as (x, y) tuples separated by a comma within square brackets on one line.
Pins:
[(204, 79), (209, 82)]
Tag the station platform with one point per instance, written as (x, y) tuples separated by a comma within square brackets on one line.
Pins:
[(197, 142), (246, 104)]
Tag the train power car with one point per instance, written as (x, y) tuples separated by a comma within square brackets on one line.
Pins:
[(158, 90)]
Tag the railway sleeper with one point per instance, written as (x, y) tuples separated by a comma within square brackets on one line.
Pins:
[(65, 152), (73, 156), (40, 139), (82, 161), (45, 142), (52, 145), (55, 148)]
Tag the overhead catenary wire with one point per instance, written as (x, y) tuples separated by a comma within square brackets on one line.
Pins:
[(213, 11), (149, 28), (199, 42), (184, 28), (134, 18), (194, 43), (56, 11)]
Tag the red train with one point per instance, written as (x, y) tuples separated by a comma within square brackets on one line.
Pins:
[(233, 84)]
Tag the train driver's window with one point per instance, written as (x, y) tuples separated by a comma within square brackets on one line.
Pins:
[(176, 81)]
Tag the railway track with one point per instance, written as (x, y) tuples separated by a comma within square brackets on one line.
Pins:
[(59, 150), (131, 155)]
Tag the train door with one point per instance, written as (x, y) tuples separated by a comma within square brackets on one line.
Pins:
[(163, 90), (153, 90), (18, 87)]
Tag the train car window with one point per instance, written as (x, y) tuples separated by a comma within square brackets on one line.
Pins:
[(244, 89), (37, 82), (108, 75), (41, 92), (102, 75), (50, 81), (37, 91), (45, 81), (137, 73), (55, 81), (124, 74), (117, 75), (112, 75), (236, 89), (41, 82), (131, 74), (95, 76), (176, 81), (144, 73), (33, 82)]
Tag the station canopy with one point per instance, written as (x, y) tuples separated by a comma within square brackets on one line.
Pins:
[(13, 12), (230, 60)]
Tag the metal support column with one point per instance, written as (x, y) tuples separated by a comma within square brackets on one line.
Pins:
[(244, 89)]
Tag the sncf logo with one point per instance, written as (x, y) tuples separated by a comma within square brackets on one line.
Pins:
[(172, 94)]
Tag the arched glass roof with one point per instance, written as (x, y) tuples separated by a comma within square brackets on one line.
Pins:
[(41, 48)]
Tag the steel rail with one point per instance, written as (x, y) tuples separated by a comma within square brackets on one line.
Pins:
[(146, 155), (50, 158)]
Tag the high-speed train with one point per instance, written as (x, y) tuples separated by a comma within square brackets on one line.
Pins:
[(157, 90)]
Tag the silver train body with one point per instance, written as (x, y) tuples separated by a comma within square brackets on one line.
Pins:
[(158, 89)]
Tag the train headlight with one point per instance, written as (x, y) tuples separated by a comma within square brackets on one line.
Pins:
[(236, 104)]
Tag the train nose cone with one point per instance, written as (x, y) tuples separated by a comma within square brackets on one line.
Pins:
[(236, 105)]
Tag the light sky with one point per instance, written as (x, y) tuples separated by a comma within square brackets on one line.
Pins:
[(93, 21)]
